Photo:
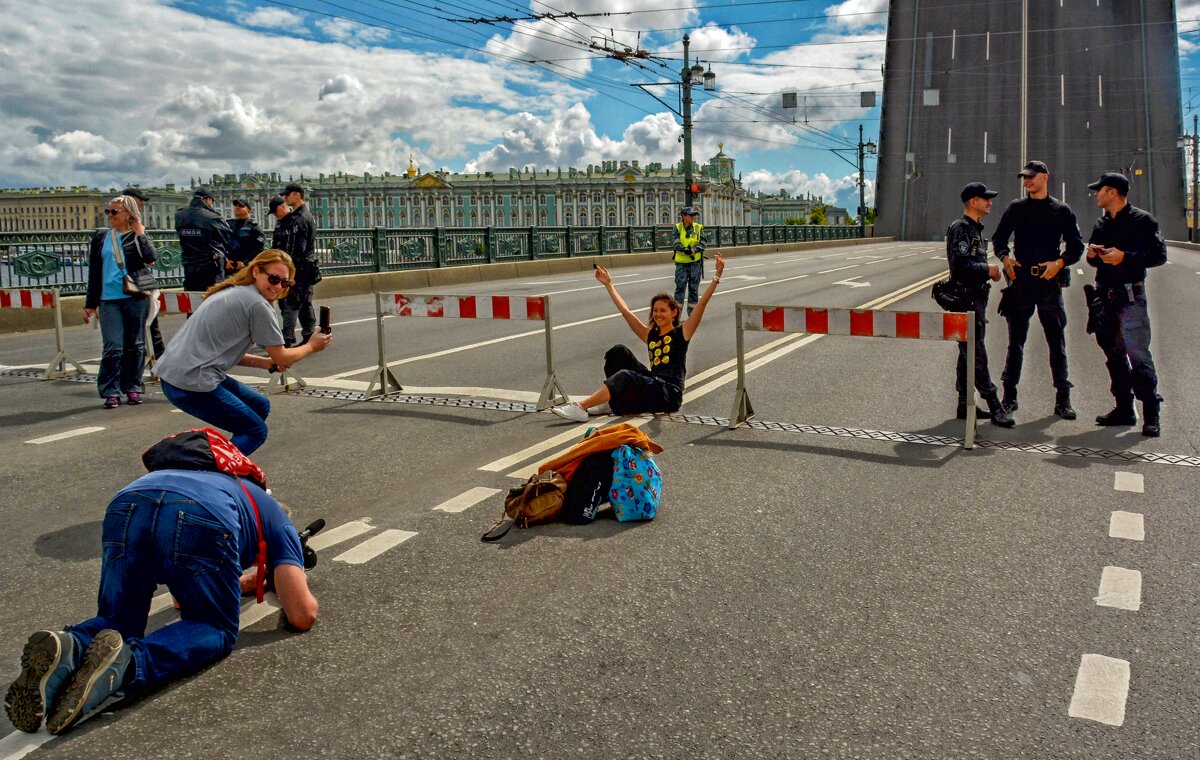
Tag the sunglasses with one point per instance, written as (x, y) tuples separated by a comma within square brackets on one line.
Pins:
[(275, 279), (114, 211)]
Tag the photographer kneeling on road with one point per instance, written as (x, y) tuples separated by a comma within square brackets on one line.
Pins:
[(237, 313), (193, 531)]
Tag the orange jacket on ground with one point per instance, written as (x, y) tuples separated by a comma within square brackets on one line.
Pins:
[(602, 440)]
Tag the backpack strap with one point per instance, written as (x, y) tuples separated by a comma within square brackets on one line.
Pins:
[(489, 537), (260, 560)]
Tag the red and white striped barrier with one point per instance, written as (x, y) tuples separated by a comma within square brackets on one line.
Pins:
[(464, 307), (525, 308), (175, 302), (25, 298), (867, 323), (44, 298)]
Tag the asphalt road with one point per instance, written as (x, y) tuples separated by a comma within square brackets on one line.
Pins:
[(807, 591)]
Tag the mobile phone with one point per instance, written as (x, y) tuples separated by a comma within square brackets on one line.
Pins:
[(595, 265), (324, 321)]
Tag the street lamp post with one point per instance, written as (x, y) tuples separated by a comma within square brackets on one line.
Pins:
[(1195, 176), (868, 147)]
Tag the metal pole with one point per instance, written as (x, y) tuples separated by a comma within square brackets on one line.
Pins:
[(862, 190), (969, 436), (687, 124)]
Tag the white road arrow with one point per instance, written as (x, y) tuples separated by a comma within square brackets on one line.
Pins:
[(850, 282)]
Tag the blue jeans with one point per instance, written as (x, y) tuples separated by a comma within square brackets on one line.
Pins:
[(162, 537), (123, 359), (232, 406), (687, 278), (1124, 336)]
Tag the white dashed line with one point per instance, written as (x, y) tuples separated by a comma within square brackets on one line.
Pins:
[(339, 534), (1120, 588), (827, 271), (67, 434), (466, 500), (252, 612), (1100, 690), (1128, 525), (1129, 481), (905, 256), (374, 546)]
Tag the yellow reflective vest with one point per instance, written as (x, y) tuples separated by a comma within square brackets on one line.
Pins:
[(688, 241)]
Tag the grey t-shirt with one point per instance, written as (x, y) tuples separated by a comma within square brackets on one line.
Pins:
[(217, 336)]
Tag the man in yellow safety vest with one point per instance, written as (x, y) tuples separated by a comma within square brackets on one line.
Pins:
[(689, 258)]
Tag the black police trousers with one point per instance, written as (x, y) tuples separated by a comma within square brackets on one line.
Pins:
[(983, 378), (1047, 300), (1124, 336), (199, 276)]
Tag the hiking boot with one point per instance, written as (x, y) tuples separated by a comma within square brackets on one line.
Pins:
[(1151, 426), (572, 411), (48, 659), (1000, 415), (600, 409), (980, 414), (1122, 415), (100, 676), (1062, 405), (112, 402), (135, 398), (1010, 399)]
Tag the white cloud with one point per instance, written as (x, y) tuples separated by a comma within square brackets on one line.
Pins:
[(351, 33), (275, 18), (858, 14), (339, 85), (836, 191), (715, 43)]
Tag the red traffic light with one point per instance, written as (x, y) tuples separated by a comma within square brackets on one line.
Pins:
[(695, 188)]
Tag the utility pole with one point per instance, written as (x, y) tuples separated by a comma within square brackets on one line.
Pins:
[(686, 79), (1195, 177), (862, 189)]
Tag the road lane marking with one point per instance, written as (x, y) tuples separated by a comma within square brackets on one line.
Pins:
[(827, 271), (905, 256), (374, 546), (18, 744), (850, 282), (253, 612), (467, 499), (63, 436), (1129, 525), (1101, 688), (339, 534), (1121, 588), (1129, 481)]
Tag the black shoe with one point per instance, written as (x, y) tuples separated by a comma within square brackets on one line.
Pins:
[(1120, 416), (1000, 415), (1151, 427), (1062, 406), (980, 414), (1010, 400)]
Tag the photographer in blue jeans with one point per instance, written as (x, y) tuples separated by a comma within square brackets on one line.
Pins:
[(236, 314), (193, 531)]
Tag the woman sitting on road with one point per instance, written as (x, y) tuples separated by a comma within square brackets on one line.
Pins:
[(630, 388), (122, 250), (237, 313)]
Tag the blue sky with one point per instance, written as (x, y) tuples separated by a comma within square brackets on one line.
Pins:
[(164, 90)]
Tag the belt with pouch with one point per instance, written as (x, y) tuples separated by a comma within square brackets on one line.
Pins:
[(1124, 292)]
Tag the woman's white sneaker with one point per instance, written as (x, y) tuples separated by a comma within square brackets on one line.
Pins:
[(600, 409), (572, 411)]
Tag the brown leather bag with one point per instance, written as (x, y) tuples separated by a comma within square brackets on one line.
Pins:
[(538, 500)]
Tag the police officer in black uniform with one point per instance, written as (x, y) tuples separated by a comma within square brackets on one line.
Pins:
[(247, 237), (1125, 242), (1038, 273), (204, 238), (297, 235), (966, 252)]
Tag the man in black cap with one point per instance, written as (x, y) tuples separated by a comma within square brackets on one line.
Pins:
[(297, 235), (689, 258), (966, 252), (247, 240), (1037, 273), (1125, 242), (204, 238)]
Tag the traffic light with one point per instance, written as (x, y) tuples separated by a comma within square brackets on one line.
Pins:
[(698, 188)]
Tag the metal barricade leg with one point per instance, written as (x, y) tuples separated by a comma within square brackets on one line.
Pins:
[(383, 381), (969, 436), (743, 410), (58, 365), (552, 391)]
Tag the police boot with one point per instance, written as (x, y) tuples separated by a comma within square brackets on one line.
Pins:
[(980, 414), (1121, 415), (1151, 427), (1062, 405), (999, 412), (1010, 398)]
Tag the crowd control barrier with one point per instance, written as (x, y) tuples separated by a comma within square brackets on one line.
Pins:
[(169, 302), (531, 308), (45, 299), (870, 323)]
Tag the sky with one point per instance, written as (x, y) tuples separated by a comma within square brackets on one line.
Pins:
[(158, 91)]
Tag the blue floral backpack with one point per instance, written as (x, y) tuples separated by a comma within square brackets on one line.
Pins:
[(637, 484)]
